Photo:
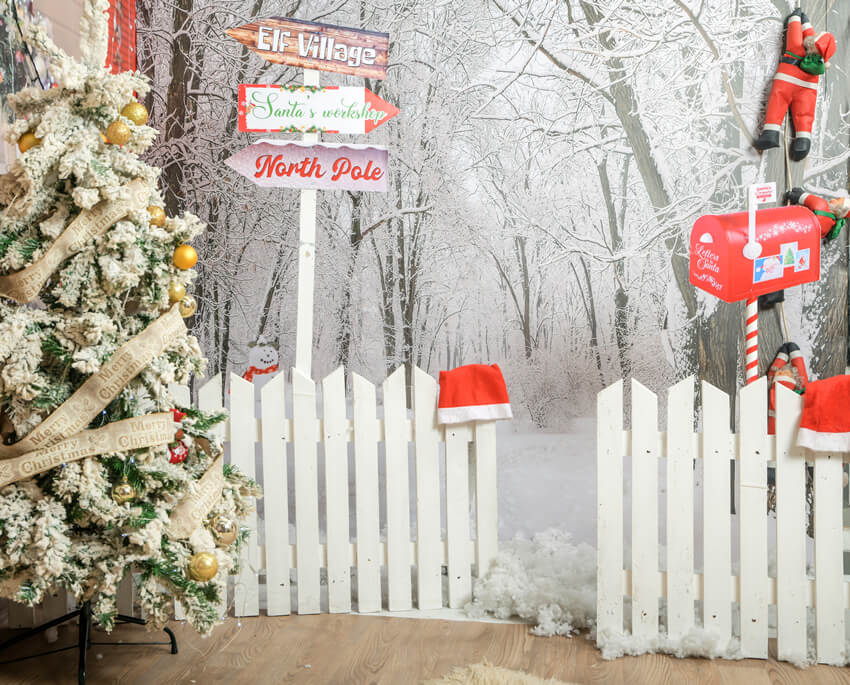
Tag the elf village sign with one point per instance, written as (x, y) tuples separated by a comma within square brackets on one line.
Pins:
[(316, 46)]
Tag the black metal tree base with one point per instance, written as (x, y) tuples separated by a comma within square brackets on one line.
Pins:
[(84, 641)]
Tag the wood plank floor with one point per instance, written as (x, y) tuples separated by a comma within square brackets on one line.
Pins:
[(362, 650)]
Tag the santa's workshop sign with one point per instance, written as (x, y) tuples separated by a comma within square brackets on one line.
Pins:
[(311, 109), (322, 166), (316, 46)]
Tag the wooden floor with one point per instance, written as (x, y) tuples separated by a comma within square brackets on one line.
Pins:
[(355, 650)]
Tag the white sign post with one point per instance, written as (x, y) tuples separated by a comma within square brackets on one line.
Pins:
[(306, 262)]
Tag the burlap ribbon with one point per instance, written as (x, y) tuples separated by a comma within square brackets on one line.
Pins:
[(25, 285), (193, 509), (75, 413), (128, 434)]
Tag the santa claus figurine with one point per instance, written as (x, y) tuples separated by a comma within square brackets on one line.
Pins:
[(832, 214), (795, 85)]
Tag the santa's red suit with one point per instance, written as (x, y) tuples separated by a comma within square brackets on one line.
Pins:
[(831, 214), (795, 85)]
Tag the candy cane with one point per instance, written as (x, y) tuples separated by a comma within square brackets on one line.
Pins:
[(752, 340)]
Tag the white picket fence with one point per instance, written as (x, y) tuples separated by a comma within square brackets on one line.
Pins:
[(677, 454), (394, 544)]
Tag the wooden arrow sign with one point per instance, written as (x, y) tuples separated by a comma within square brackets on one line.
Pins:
[(323, 166), (311, 109), (316, 46)]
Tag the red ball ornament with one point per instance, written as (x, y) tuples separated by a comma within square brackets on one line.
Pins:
[(178, 415), (177, 453)]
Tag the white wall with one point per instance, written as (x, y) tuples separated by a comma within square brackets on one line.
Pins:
[(64, 17)]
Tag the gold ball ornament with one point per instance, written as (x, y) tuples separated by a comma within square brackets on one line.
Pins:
[(27, 141), (123, 492), (188, 306), (135, 112), (118, 132), (203, 566), (176, 292), (224, 530), (157, 215), (185, 257)]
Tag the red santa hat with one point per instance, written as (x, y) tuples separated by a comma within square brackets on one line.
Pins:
[(475, 392), (825, 424)]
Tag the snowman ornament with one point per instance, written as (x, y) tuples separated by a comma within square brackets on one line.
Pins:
[(262, 361)]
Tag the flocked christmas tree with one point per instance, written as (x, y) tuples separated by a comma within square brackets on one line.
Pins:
[(100, 472)]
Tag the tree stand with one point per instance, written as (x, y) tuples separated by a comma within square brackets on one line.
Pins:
[(84, 641)]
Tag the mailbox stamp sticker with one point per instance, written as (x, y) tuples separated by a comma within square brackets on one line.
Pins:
[(768, 269), (773, 267)]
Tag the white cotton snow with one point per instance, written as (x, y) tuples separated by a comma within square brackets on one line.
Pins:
[(548, 581)]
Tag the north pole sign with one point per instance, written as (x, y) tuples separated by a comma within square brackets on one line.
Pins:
[(311, 109), (316, 46), (321, 166)]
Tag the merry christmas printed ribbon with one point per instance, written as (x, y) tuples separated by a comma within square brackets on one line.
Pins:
[(75, 413), (128, 434), (193, 510), (25, 285)]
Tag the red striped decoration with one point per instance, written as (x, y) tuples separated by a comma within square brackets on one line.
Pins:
[(121, 55)]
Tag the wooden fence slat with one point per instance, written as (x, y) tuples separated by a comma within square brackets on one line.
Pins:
[(609, 508), (646, 590), (752, 516), (126, 595), (306, 492), (210, 399), (717, 553), (429, 547), (367, 497), (246, 588), (791, 579), (335, 426), (458, 438), (276, 501), (680, 505), (21, 616), (829, 563), (398, 493), (486, 494)]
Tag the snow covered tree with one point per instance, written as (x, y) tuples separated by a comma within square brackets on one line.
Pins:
[(100, 472)]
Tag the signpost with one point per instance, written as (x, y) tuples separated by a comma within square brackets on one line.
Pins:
[(311, 109), (317, 46), (322, 166), (299, 109)]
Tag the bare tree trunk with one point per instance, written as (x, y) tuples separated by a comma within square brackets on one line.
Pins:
[(590, 310)]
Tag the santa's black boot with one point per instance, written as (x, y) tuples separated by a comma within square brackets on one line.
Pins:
[(767, 140), (800, 148)]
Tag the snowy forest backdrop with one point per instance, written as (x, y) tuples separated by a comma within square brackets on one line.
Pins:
[(548, 163)]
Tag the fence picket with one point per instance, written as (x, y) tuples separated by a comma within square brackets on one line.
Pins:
[(210, 399), (429, 547), (717, 553), (486, 492), (304, 435), (680, 503), (609, 507), (752, 516), (276, 502), (791, 580), (646, 590), (458, 438), (829, 571), (246, 588), (398, 493), (367, 498), (336, 491)]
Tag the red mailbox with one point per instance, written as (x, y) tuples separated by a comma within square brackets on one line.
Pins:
[(790, 252)]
